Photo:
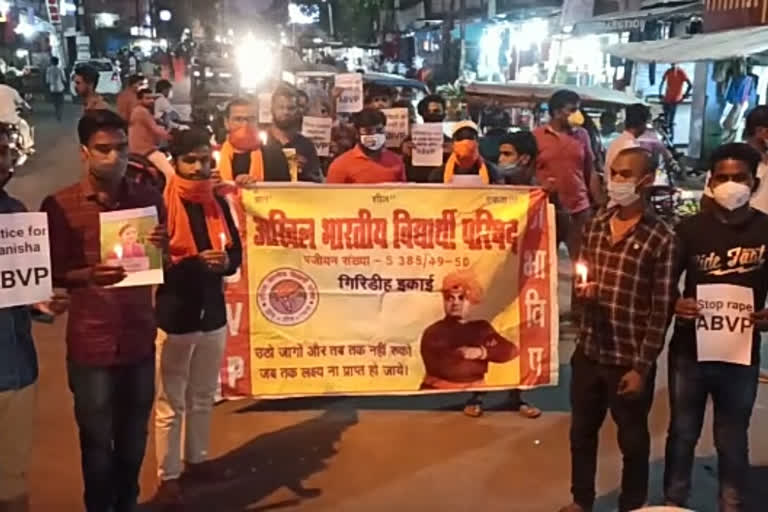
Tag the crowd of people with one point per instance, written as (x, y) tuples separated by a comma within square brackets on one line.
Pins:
[(120, 339)]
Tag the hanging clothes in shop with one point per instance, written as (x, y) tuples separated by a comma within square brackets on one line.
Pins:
[(740, 88)]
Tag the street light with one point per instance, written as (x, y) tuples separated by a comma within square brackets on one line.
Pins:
[(165, 15)]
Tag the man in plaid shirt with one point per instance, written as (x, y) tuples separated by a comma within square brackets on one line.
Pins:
[(626, 295)]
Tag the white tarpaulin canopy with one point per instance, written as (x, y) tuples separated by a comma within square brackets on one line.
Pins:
[(634, 20), (728, 44)]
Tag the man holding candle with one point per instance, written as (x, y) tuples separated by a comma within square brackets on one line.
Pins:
[(245, 157), (110, 331), (626, 286), (191, 313)]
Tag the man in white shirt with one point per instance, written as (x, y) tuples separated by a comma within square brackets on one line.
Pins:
[(165, 114), (636, 119), (10, 102), (57, 84)]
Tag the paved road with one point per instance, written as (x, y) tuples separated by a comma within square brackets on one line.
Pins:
[(361, 454)]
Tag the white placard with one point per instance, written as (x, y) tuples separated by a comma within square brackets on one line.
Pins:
[(265, 108), (25, 259), (467, 180), (427, 144), (124, 243), (351, 99), (724, 330), (397, 126), (318, 130)]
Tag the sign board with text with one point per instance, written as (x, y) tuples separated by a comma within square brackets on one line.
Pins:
[(397, 126), (25, 259), (318, 130), (427, 141), (392, 290), (351, 99)]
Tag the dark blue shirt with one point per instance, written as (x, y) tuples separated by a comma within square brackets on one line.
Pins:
[(18, 359)]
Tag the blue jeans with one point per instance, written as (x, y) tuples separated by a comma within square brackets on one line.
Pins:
[(112, 408), (733, 389)]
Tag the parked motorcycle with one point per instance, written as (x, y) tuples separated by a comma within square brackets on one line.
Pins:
[(23, 145)]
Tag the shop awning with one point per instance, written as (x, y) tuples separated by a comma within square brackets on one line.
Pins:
[(723, 45), (530, 95), (633, 20)]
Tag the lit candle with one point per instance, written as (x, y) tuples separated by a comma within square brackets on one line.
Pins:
[(263, 137), (223, 239), (581, 271), (118, 250)]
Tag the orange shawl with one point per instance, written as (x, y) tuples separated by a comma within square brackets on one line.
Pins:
[(225, 163), (182, 241), (450, 165)]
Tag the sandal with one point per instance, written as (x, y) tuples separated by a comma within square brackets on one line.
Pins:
[(473, 408), (763, 378), (529, 411)]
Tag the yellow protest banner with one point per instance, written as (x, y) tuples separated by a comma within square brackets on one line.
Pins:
[(392, 290)]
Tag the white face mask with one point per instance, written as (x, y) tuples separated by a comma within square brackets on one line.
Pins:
[(623, 193), (731, 195), (373, 142)]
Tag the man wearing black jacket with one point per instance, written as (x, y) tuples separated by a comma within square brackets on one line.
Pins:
[(725, 247), (191, 312)]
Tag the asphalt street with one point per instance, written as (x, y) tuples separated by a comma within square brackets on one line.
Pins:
[(356, 454)]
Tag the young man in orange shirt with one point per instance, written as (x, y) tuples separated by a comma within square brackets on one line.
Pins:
[(675, 78), (369, 161)]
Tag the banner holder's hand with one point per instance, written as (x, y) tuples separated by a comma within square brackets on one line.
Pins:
[(159, 237), (760, 319), (687, 309), (106, 275)]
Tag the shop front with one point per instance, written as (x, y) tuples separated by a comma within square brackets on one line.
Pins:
[(729, 78)]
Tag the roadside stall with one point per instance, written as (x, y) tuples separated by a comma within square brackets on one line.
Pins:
[(526, 104), (730, 74)]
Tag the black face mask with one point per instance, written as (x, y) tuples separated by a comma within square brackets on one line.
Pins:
[(288, 124), (434, 118)]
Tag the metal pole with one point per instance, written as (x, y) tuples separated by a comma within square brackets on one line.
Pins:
[(330, 17)]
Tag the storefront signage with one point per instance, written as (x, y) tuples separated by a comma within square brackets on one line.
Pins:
[(729, 14), (621, 25)]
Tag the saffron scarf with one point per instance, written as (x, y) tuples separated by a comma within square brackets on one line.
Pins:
[(450, 167), (182, 241), (256, 170)]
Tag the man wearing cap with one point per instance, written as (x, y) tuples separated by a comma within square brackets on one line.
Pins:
[(465, 166), (145, 135)]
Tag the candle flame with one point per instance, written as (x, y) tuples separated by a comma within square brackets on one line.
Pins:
[(581, 271), (118, 250), (223, 239), (263, 137)]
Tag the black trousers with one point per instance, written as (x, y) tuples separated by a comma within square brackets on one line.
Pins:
[(593, 393)]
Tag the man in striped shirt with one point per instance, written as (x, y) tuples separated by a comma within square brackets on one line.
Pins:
[(626, 295)]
